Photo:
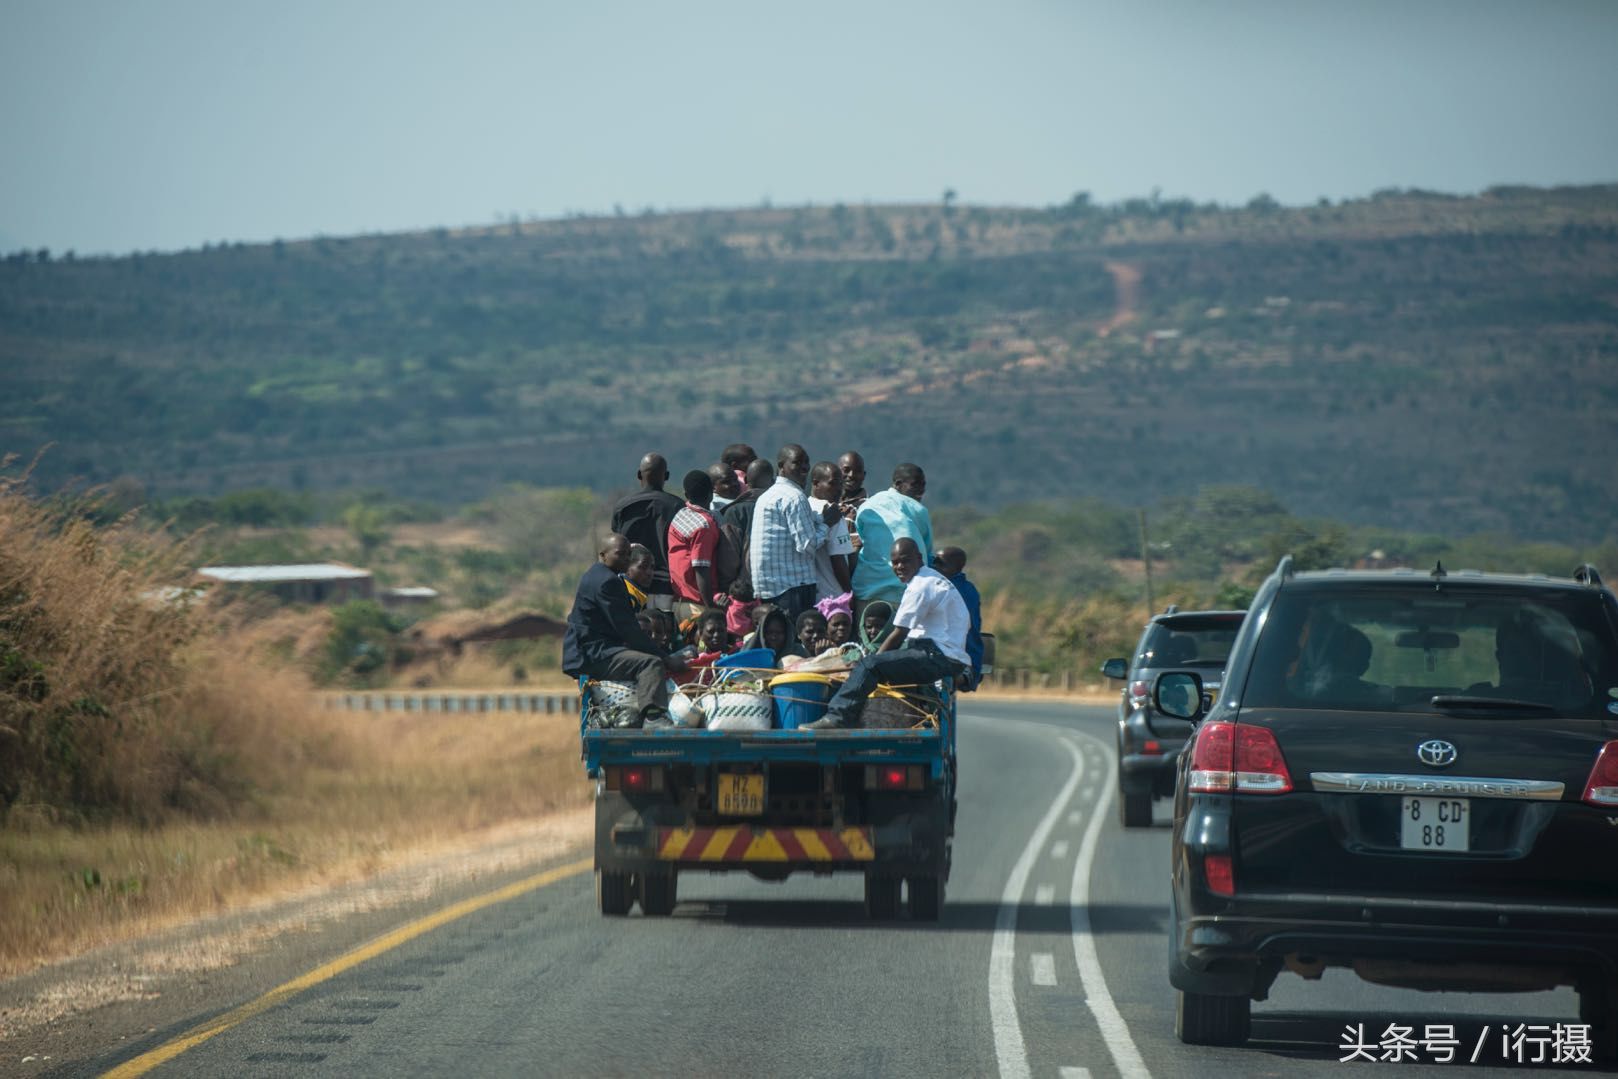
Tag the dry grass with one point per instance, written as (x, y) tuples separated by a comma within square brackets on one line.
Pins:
[(413, 782), (155, 766)]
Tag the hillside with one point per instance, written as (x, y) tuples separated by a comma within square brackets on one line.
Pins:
[(1410, 360)]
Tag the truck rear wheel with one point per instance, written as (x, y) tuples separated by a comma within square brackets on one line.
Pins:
[(881, 897), (657, 892), (926, 897), (612, 892)]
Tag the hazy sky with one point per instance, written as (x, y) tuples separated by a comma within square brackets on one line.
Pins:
[(137, 124)]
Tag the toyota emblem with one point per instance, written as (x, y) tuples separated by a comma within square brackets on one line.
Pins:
[(1436, 752)]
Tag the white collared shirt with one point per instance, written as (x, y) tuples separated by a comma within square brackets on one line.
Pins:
[(932, 608)]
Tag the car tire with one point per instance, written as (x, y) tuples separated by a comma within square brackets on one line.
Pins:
[(926, 897), (1201, 1019), (612, 893), (657, 892), (1598, 1006), (881, 897), (1134, 809)]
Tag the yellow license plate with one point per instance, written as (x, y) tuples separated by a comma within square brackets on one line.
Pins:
[(741, 795)]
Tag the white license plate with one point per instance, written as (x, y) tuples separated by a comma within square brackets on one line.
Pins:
[(1435, 824)]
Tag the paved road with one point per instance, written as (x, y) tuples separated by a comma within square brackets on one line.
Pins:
[(1048, 962)]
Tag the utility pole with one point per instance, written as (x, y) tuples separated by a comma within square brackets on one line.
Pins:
[(1146, 559)]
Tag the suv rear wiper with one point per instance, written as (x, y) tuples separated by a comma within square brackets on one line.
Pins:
[(1453, 703)]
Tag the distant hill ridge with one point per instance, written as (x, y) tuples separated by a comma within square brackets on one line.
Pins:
[(1411, 359)]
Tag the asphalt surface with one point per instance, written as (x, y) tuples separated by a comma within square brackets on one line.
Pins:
[(1036, 968)]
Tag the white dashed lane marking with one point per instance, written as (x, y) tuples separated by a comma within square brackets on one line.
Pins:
[(1059, 849), (1044, 894), (1074, 1073), (1042, 966)]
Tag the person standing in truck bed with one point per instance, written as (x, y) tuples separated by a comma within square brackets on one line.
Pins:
[(787, 536), (644, 518), (886, 517)]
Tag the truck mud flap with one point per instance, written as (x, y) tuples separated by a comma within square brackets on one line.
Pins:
[(800, 846)]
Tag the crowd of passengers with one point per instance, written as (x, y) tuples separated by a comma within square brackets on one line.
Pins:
[(792, 558)]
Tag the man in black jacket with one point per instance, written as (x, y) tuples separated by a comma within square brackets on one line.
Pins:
[(604, 641), (644, 517)]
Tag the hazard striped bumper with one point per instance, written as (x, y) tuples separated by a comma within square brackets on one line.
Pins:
[(744, 843)]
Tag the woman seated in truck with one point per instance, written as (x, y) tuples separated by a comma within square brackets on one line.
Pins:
[(774, 632)]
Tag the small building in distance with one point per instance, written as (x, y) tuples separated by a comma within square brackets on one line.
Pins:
[(314, 582), (409, 596)]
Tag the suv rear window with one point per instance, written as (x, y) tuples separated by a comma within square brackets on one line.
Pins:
[(1188, 642), (1381, 649)]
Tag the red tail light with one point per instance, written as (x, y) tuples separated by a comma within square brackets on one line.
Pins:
[(1139, 694), (1152, 747), (1240, 757), (1221, 874), (1602, 789), (634, 778), (895, 777)]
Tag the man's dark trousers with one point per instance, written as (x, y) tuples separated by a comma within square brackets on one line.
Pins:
[(794, 601), (646, 671), (918, 663)]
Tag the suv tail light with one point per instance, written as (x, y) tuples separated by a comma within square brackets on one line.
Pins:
[(1242, 757), (1139, 693), (1602, 788), (1221, 874)]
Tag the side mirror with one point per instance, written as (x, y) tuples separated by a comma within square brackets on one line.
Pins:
[(1116, 668), (1178, 694)]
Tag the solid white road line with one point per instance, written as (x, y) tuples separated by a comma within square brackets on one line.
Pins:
[(1074, 1073), (1059, 849), (1042, 968), (1044, 894), (1010, 1051), (1113, 1028)]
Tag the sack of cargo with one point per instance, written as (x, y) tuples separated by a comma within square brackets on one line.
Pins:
[(726, 711), (888, 709)]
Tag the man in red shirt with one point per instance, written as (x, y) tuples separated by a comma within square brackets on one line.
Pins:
[(693, 535)]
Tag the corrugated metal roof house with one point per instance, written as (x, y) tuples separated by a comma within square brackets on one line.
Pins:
[(314, 582)]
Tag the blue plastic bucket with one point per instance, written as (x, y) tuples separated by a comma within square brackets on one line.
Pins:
[(761, 658), (800, 699)]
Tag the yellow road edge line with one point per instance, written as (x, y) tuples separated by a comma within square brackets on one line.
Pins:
[(166, 1052)]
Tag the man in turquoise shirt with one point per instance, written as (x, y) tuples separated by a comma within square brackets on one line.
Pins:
[(886, 516)]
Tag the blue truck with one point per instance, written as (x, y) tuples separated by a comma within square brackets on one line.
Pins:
[(673, 800)]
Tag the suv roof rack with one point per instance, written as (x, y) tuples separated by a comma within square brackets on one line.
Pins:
[(1284, 567), (1173, 608), (1587, 575)]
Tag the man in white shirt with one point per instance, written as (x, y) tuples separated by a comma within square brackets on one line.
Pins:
[(832, 569), (927, 642)]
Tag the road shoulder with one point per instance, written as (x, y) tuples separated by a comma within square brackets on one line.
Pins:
[(62, 1017)]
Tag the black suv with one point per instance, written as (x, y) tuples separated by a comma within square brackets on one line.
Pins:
[(1149, 742), (1413, 775)]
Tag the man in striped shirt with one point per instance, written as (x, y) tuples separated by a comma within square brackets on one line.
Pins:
[(786, 537)]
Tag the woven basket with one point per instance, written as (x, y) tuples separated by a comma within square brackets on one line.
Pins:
[(737, 711), (608, 700)]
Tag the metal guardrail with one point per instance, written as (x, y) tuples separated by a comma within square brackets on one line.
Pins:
[(448, 702)]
